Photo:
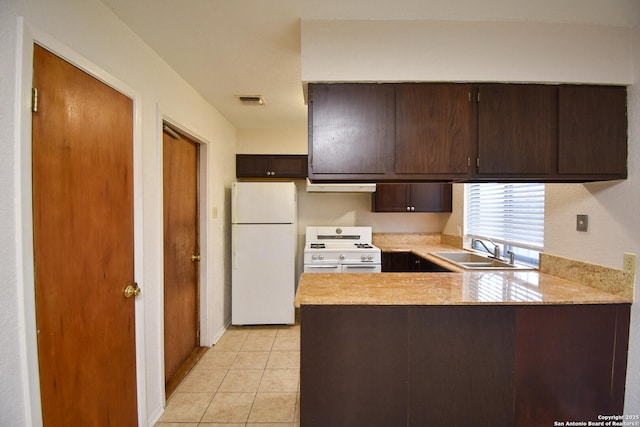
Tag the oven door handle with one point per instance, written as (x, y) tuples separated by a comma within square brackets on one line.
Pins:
[(324, 266), (360, 265)]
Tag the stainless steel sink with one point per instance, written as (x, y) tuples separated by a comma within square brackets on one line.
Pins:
[(474, 261)]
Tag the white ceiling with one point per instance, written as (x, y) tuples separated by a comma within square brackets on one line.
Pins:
[(226, 48)]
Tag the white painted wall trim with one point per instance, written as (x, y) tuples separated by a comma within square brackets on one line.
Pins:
[(24, 228)]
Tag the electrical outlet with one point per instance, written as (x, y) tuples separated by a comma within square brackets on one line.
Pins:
[(629, 262)]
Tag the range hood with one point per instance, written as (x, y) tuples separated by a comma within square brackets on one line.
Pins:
[(340, 187)]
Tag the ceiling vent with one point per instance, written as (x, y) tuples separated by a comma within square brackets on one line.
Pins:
[(251, 99)]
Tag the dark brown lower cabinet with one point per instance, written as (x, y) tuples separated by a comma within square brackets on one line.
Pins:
[(570, 363), (461, 365), (353, 366), (408, 262)]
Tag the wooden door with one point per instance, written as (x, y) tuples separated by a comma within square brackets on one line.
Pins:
[(434, 129), (83, 247), (181, 252), (517, 130)]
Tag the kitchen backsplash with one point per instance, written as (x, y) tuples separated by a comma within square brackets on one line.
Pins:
[(618, 282), (405, 238)]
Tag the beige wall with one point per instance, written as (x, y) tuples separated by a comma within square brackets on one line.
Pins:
[(405, 50), (272, 141)]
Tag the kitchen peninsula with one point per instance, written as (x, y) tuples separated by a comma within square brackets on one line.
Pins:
[(499, 348)]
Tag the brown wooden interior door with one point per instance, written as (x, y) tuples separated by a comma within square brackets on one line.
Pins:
[(83, 247), (181, 298)]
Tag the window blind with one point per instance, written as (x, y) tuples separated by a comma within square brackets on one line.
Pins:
[(511, 214)]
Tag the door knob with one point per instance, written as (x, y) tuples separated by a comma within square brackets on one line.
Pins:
[(195, 258), (132, 290)]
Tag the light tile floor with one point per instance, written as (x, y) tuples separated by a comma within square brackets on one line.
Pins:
[(250, 378)]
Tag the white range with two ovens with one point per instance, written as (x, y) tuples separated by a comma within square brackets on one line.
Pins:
[(340, 250)]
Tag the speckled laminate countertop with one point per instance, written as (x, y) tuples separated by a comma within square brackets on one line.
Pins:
[(457, 288)]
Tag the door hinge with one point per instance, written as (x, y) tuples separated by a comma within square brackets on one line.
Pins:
[(34, 100), (469, 96), (469, 161), (478, 97), (478, 163)]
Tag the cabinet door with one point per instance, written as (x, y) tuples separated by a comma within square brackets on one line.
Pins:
[(289, 166), (391, 198), (252, 166), (399, 262), (592, 130), (434, 132), (352, 127), (271, 166), (423, 197), (461, 366), (424, 265), (353, 366), (517, 130), (430, 197), (570, 362)]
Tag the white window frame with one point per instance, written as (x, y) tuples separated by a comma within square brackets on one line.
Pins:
[(511, 215)]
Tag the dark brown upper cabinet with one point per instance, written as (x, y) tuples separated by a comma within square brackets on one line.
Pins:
[(271, 166), (592, 131), (517, 130), (434, 130), (418, 197), (351, 130), (411, 132)]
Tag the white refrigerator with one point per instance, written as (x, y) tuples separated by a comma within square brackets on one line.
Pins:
[(263, 254)]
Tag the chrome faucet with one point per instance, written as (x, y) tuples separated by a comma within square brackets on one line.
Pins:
[(496, 249)]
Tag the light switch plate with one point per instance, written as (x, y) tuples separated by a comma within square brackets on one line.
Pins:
[(582, 222)]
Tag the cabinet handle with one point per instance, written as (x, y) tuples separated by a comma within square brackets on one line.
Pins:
[(408, 208), (270, 173), (273, 173), (413, 208)]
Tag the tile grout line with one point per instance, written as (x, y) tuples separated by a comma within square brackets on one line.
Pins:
[(221, 381)]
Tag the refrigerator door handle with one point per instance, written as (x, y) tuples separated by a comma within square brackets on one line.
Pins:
[(234, 253)]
